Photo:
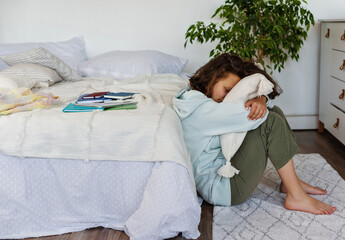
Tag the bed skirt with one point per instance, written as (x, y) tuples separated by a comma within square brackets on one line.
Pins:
[(147, 200)]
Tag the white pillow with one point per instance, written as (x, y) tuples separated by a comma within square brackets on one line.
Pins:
[(10, 81), (42, 57), (72, 52), (128, 64), (42, 75)]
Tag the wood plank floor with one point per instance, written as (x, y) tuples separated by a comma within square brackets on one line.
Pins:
[(326, 145), (308, 141)]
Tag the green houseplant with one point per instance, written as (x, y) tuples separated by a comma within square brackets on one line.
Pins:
[(271, 30)]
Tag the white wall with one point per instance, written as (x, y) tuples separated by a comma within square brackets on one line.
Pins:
[(161, 25), (109, 24)]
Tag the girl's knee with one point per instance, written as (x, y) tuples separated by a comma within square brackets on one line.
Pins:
[(277, 110), (275, 119)]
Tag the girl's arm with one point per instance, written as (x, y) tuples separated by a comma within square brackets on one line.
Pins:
[(220, 118), (258, 107)]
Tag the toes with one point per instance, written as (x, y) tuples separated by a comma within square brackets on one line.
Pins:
[(322, 191), (326, 211), (329, 210)]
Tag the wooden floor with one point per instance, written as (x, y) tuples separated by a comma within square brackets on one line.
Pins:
[(308, 141)]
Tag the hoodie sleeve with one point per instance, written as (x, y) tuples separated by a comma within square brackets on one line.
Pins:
[(269, 102), (220, 118)]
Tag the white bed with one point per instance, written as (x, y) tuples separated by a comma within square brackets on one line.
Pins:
[(123, 169), (142, 210)]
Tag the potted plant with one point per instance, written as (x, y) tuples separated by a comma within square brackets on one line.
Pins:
[(264, 30)]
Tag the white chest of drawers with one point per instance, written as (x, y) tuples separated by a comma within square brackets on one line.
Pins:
[(332, 78)]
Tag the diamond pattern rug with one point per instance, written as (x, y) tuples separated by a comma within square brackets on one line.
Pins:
[(263, 216)]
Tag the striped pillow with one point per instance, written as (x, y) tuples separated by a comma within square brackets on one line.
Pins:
[(42, 57), (42, 75)]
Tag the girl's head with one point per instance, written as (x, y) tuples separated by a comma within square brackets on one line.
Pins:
[(230, 68)]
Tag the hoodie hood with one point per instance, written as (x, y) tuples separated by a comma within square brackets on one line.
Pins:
[(187, 100)]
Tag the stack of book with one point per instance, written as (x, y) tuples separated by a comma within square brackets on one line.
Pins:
[(102, 101)]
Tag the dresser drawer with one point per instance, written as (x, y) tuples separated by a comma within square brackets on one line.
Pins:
[(337, 61), (337, 92), (336, 34), (334, 116)]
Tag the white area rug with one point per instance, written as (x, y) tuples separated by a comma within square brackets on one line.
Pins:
[(263, 216)]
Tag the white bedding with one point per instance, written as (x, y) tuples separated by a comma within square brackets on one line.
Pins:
[(148, 133), (149, 139)]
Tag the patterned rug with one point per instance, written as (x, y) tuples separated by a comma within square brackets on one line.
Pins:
[(263, 216)]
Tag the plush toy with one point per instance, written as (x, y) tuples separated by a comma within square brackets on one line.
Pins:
[(246, 89)]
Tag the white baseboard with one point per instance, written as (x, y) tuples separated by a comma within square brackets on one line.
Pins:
[(299, 122)]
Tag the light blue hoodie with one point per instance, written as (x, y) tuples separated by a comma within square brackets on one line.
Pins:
[(203, 121)]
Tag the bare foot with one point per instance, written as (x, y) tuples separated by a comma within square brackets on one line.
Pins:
[(307, 188), (305, 203)]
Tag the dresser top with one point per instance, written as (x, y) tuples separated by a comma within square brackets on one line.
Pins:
[(332, 20)]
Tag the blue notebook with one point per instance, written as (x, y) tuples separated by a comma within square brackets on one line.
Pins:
[(74, 108)]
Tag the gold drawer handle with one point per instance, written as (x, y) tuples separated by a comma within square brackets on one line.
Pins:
[(335, 125), (342, 66), (343, 36), (327, 34), (341, 96)]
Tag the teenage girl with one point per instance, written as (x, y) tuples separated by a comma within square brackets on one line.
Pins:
[(205, 117)]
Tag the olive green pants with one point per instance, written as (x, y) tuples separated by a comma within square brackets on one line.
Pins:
[(273, 139)]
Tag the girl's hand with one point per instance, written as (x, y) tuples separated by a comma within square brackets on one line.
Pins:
[(258, 107)]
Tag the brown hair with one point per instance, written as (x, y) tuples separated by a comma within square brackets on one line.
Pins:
[(208, 75)]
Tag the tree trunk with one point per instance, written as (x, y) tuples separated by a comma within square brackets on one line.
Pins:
[(260, 55)]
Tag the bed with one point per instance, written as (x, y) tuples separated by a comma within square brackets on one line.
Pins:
[(124, 169)]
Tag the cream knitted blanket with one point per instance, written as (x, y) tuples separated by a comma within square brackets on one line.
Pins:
[(152, 132)]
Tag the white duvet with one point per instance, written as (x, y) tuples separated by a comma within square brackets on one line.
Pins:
[(152, 132)]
